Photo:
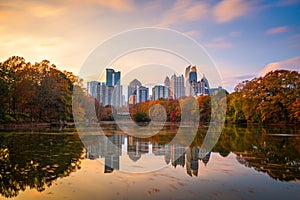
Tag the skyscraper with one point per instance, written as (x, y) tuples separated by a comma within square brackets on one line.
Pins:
[(93, 88), (203, 86), (167, 87), (167, 82), (114, 89), (187, 82), (102, 93), (193, 87), (142, 94), (193, 74), (160, 91), (112, 77), (132, 89), (177, 86), (193, 82)]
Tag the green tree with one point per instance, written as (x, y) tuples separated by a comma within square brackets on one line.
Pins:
[(7, 83)]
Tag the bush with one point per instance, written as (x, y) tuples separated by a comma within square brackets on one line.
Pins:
[(141, 117), (8, 118)]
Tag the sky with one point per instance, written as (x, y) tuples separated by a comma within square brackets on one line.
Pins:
[(245, 39)]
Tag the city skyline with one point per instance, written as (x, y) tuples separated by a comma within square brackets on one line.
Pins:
[(111, 92), (115, 149)]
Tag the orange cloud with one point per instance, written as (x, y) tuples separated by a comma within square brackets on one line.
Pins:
[(119, 5), (228, 10), (277, 30), (184, 11), (193, 33), (289, 64)]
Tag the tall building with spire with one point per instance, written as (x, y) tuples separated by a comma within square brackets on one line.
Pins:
[(193, 87), (187, 84), (132, 90), (167, 82)]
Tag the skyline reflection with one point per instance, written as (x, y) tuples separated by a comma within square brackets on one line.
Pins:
[(111, 149)]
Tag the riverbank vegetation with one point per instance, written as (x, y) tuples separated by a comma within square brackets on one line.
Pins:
[(36, 92), (274, 98), (40, 92)]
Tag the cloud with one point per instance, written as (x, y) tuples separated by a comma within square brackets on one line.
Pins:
[(289, 64), (184, 11), (232, 81), (218, 43), (193, 33), (50, 8), (119, 5), (277, 30), (228, 10)]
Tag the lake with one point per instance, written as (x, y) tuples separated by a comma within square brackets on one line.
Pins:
[(247, 162)]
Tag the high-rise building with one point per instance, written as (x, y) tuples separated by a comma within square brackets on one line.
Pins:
[(160, 91), (167, 82), (191, 81), (193, 87), (193, 74), (177, 86), (114, 89), (142, 94), (132, 88), (113, 78), (117, 95), (102, 92), (187, 71), (187, 82), (93, 88), (204, 86), (108, 95)]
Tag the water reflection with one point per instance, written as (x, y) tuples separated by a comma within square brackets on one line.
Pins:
[(261, 148), (36, 160), (265, 149)]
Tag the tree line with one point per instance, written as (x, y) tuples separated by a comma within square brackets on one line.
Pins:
[(40, 92), (273, 98), (36, 92)]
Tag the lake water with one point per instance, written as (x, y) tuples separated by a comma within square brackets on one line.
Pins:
[(251, 162)]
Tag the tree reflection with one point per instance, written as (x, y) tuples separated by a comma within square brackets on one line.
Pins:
[(36, 160), (258, 147), (264, 150)]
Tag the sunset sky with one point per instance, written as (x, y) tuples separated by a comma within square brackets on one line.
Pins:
[(244, 38)]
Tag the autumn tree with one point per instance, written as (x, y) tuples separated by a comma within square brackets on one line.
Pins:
[(35, 92), (268, 99)]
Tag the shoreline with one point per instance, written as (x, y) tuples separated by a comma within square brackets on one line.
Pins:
[(72, 124)]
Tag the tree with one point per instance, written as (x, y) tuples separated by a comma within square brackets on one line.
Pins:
[(294, 111), (267, 99), (7, 83), (38, 92), (204, 108)]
